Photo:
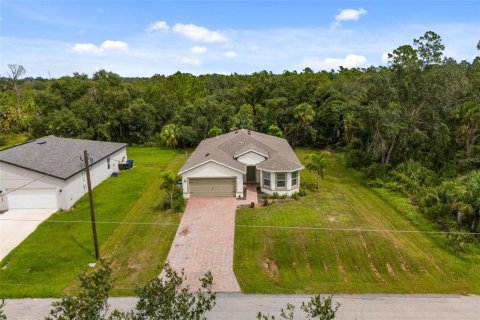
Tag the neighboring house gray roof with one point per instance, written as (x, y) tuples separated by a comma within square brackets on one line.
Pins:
[(57, 157), (226, 147)]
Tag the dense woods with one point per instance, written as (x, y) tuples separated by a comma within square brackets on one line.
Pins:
[(412, 126)]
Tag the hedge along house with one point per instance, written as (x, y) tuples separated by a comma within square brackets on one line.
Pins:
[(220, 166), (48, 173)]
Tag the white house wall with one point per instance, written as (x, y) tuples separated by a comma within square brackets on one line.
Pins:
[(72, 189), (212, 170), (251, 158), (289, 190), (12, 177), (76, 186)]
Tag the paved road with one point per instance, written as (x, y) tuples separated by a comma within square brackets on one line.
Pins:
[(245, 307), (204, 241), (13, 230)]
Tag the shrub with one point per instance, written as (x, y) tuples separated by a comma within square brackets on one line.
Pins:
[(296, 196), (302, 192), (265, 196), (179, 204), (275, 195), (376, 171), (284, 196)]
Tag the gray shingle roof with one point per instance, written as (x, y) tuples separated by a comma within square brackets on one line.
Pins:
[(57, 157), (226, 147)]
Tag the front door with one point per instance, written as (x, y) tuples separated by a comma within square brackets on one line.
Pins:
[(251, 174)]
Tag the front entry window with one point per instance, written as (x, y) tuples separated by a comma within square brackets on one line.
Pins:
[(281, 180), (266, 178)]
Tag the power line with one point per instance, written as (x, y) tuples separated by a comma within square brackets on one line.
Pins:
[(254, 226)]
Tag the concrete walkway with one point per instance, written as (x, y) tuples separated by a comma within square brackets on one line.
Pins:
[(16, 225), (204, 241), (245, 307)]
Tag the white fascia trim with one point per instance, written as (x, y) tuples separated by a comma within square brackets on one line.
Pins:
[(250, 150), (211, 160), (280, 171)]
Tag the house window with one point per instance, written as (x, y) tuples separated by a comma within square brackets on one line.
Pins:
[(281, 180), (266, 178), (108, 163), (294, 178)]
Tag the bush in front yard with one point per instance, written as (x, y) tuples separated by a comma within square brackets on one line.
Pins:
[(302, 192), (275, 195), (179, 204)]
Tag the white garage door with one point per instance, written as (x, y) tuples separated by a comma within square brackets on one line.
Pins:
[(33, 199), (212, 187)]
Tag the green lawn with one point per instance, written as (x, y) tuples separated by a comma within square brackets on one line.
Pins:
[(269, 260), (49, 260), (11, 139)]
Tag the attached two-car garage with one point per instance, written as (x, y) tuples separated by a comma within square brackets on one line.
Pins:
[(41, 198), (212, 187)]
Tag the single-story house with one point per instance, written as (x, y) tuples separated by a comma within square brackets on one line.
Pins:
[(220, 166), (48, 173)]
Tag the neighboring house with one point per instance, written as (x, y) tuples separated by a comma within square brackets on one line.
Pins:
[(48, 173), (221, 165)]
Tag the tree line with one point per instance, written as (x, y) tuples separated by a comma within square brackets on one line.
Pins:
[(412, 126)]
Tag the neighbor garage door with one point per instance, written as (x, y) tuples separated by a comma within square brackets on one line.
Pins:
[(212, 187), (33, 199)]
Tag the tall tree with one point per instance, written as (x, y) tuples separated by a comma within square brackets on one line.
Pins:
[(16, 71), (169, 135), (317, 163), (468, 114), (430, 48), (305, 115)]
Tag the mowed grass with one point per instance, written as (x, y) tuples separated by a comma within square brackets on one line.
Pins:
[(10, 140), (276, 260), (53, 255)]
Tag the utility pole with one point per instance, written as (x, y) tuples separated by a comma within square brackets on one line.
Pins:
[(90, 197)]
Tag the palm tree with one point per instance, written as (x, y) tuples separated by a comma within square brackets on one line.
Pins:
[(305, 115), (169, 184), (169, 135), (317, 162)]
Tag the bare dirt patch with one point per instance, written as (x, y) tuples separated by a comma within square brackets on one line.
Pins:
[(337, 257), (305, 253), (390, 270), (269, 265), (369, 256)]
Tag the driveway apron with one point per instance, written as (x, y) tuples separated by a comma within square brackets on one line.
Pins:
[(204, 241), (16, 225)]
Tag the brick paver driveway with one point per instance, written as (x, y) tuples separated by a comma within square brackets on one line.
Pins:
[(204, 241)]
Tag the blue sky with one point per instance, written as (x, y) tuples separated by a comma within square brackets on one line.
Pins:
[(142, 38)]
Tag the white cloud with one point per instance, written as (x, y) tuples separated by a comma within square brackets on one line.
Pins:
[(350, 61), (158, 26), (348, 15), (88, 48), (198, 49), (197, 33), (114, 45), (191, 61), (230, 54), (385, 57), (107, 45)]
